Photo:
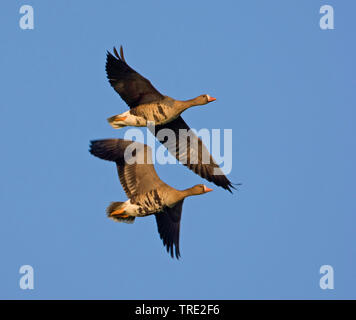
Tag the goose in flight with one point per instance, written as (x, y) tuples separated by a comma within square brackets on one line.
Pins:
[(147, 193), (147, 104)]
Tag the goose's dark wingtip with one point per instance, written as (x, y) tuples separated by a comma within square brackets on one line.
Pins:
[(115, 55), (223, 182), (235, 186), (172, 249), (109, 55), (91, 143), (230, 186), (175, 255), (177, 252), (111, 58), (94, 146)]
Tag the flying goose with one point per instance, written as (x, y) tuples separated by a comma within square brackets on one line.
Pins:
[(147, 193), (147, 104)]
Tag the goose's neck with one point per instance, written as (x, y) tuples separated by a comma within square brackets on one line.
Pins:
[(186, 104), (187, 193)]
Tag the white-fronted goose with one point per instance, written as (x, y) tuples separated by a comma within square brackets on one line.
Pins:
[(147, 104), (147, 193)]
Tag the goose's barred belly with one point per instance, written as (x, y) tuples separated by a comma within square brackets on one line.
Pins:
[(148, 203), (159, 113)]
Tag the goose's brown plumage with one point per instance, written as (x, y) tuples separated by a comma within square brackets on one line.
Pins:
[(191, 157), (130, 85), (147, 193), (148, 104)]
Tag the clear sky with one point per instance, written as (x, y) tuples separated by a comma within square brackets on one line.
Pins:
[(285, 87)]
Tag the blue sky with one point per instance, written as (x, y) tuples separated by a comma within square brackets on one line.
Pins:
[(285, 87)]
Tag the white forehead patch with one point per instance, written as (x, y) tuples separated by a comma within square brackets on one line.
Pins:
[(208, 96)]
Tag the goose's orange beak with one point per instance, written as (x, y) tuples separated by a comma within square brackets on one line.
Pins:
[(211, 99), (208, 189)]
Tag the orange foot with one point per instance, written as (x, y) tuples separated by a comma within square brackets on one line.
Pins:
[(116, 118), (119, 213), (120, 118)]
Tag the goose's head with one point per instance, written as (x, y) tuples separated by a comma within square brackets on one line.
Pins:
[(208, 98), (199, 189), (202, 99)]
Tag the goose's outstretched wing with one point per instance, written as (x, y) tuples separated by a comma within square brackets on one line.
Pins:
[(133, 88), (168, 223), (191, 152), (134, 164)]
